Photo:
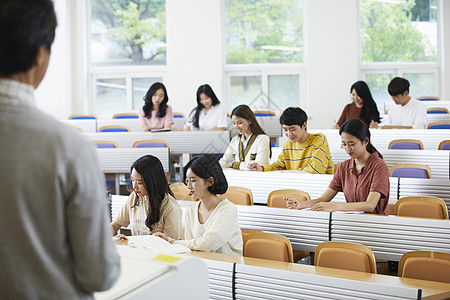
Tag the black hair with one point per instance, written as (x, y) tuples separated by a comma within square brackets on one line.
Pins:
[(293, 116), (359, 129), (26, 26), (148, 106), (206, 166), (369, 111), (208, 91), (245, 112), (398, 86), (155, 182)]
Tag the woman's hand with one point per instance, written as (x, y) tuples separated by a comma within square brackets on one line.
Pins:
[(293, 204), (254, 166), (121, 236), (230, 165), (373, 124), (161, 235), (324, 206), (336, 126)]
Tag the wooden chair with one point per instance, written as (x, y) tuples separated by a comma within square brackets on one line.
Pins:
[(151, 144), (264, 113), (409, 144), (268, 246), (390, 209), (422, 207), (275, 198), (246, 232), (428, 98), (113, 128), (238, 195), (181, 191), (425, 265), (439, 125), (346, 256), (83, 117), (410, 171), (437, 110), (105, 144), (126, 116), (178, 115), (444, 145)]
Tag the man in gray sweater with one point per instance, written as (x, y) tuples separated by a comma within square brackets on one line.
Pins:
[(55, 238)]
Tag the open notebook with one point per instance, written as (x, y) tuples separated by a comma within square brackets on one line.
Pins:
[(156, 243)]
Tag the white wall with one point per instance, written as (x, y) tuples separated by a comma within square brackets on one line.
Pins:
[(194, 54), (54, 93)]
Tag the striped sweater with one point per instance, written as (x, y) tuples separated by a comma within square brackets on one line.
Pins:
[(312, 156)]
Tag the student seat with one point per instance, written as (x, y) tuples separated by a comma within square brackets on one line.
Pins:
[(126, 116), (425, 265), (110, 178), (408, 144), (238, 195), (444, 145), (437, 110), (439, 125), (264, 113), (275, 198), (428, 98), (422, 207), (83, 117), (113, 128), (410, 171), (178, 115), (346, 256), (268, 246)]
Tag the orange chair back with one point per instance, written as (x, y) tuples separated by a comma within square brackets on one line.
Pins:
[(425, 265), (346, 256), (180, 191), (268, 246), (275, 198), (406, 144), (238, 195), (422, 207)]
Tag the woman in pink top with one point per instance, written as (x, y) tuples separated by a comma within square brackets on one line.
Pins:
[(364, 178), (156, 113)]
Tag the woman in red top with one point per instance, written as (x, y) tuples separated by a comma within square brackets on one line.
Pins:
[(364, 178)]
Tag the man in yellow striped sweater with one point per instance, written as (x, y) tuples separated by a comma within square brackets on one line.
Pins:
[(304, 151)]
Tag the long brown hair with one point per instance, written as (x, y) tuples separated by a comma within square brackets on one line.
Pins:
[(245, 112)]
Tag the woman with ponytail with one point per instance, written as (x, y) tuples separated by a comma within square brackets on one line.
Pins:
[(151, 207), (364, 178)]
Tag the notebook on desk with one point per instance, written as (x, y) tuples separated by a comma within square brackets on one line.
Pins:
[(160, 130)]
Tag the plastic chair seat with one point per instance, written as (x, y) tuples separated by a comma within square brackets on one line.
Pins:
[(346, 259), (427, 268), (409, 173), (273, 250)]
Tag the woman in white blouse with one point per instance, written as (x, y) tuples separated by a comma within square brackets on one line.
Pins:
[(211, 224), (249, 145), (209, 113), (151, 207)]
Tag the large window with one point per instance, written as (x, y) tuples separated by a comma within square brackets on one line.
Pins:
[(399, 38), (126, 36), (263, 41)]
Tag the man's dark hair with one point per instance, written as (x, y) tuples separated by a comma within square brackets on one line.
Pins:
[(293, 116), (25, 26), (398, 86)]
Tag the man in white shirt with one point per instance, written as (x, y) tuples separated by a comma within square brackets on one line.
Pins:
[(408, 113)]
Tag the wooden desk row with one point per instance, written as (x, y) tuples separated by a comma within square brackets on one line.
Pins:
[(382, 137), (437, 160), (119, 160), (389, 237), (262, 183), (235, 277)]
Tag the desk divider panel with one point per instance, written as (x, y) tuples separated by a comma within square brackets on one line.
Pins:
[(132, 124), (179, 141), (262, 183), (119, 160), (220, 279), (305, 229), (254, 282), (425, 187), (89, 125), (382, 137), (390, 237)]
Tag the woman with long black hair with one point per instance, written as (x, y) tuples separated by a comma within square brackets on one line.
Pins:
[(362, 107), (364, 178), (156, 113)]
